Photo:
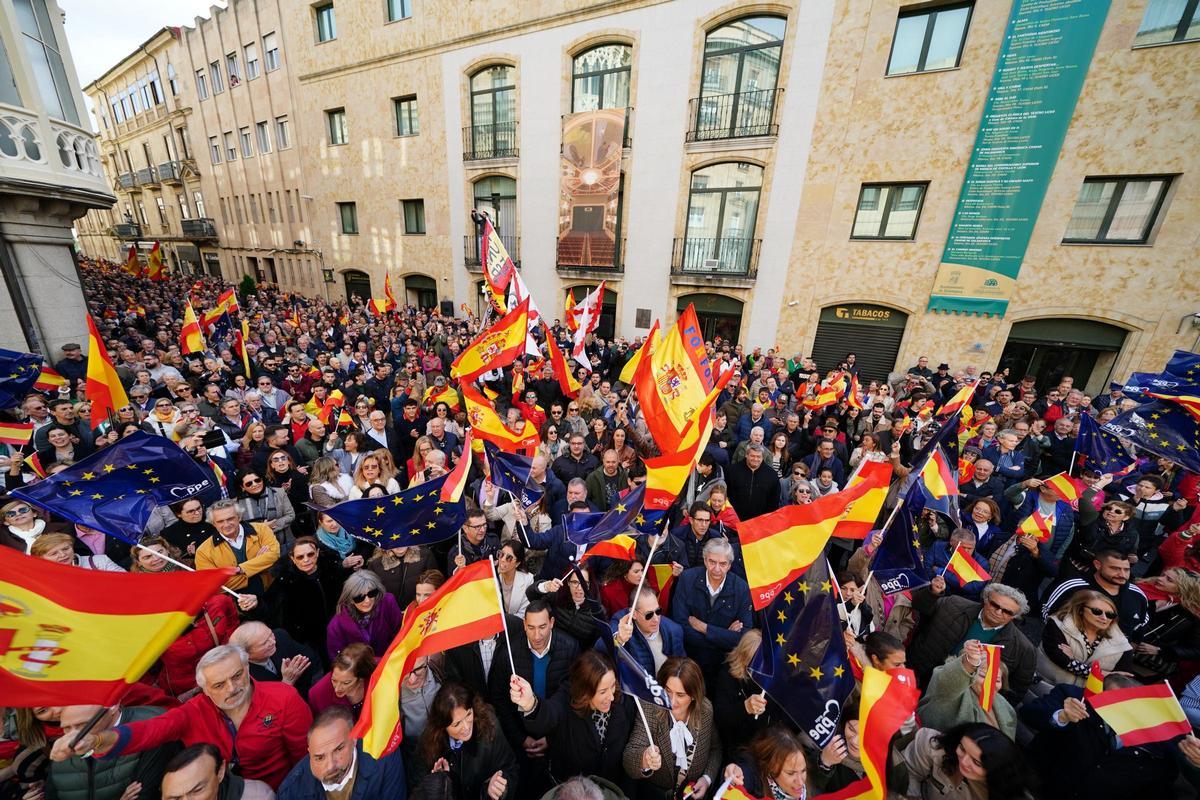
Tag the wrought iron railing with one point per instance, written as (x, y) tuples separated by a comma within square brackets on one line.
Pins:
[(732, 256), (490, 140), (733, 116)]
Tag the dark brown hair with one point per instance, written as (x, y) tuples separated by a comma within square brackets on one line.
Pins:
[(771, 749), (585, 675), (689, 674), (356, 658), (433, 742)]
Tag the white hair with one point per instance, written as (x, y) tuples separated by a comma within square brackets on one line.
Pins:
[(216, 656)]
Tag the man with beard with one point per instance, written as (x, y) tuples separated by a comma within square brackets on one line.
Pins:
[(337, 767)]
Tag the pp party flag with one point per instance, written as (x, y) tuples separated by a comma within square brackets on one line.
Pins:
[(1142, 714), (465, 609), (49, 381), (61, 623), (1095, 681), (446, 394), (1102, 450), (940, 483), (801, 662), (622, 548), (1037, 525), (633, 677), (104, 388), (991, 675), (456, 481), (414, 516), (1163, 428), (960, 401), (562, 370), (498, 266), (17, 433), (778, 547), (585, 528), (859, 522), (117, 488), (156, 270), (132, 265), (496, 347), (511, 472), (1066, 487), (887, 701), (18, 372), (482, 417), (898, 564), (963, 567), (190, 338)]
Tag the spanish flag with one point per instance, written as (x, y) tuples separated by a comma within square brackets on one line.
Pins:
[(239, 346), (991, 671), (498, 266), (156, 270), (960, 401), (17, 433), (483, 419), (496, 347), (859, 522), (61, 623), (447, 394), (1190, 402), (937, 476), (456, 481), (1065, 486), (465, 609), (562, 370), (1038, 526), (778, 547), (966, 470), (1095, 681), (335, 400), (378, 306), (35, 464), (731, 791), (825, 396), (667, 473), (963, 567), (132, 265), (104, 388), (854, 394), (572, 323), (622, 547), (671, 390), (387, 292), (661, 579), (1142, 714), (49, 380), (629, 371), (190, 338)]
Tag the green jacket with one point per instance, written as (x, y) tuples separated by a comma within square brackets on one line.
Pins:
[(95, 779), (595, 486), (951, 701)]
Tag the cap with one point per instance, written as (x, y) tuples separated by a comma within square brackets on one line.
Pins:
[(943, 366), (66, 348)]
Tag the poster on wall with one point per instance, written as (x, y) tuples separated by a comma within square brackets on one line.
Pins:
[(1043, 60), (590, 187)]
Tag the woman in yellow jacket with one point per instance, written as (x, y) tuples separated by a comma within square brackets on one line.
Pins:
[(249, 547)]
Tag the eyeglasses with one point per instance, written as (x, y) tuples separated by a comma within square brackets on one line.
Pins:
[(478, 527), (362, 598), (252, 482), (702, 520), (162, 405), (279, 458), (1100, 612), (574, 409), (16, 512), (997, 607), (304, 556), (507, 557), (649, 615)]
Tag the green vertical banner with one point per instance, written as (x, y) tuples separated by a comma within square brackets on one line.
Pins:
[(1047, 48)]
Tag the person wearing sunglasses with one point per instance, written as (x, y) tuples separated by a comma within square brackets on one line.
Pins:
[(19, 526), (366, 613), (1083, 631), (1110, 577), (271, 505), (646, 632)]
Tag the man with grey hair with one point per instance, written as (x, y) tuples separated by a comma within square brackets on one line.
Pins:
[(249, 547), (712, 605), (947, 621), (265, 724), (645, 633), (964, 539), (753, 486), (110, 777), (578, 788)]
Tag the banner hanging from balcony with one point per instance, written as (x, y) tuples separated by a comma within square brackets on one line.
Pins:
[(1043, 60), (591, 183)]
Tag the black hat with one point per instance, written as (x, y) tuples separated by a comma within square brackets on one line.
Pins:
[(943, 366)]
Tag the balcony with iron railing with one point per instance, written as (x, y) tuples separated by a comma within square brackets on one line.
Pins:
[(173, 171), (734, 116), (472, 257), (146, 176), (723, 257), (126, 180), (127, 230), (590, 252), (199, 228), (490, 140)]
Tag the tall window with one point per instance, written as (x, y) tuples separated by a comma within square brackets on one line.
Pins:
[(722, 211), (326, 26), (336, 118), (741, 70), (198, 202), (250, 51), (263, 131), (230, 146), (1169, 21), (888, 211), (398, 9), (1117, 210), (283, 133), (181, 199), (201, 85), (601, 78), (171, 81), (8, 84), (214, 149), (246, 141), (162, 209), (41, 49), (271, 51), (231, 69), (497, 196), (414, 216), (348, 214), (214, 74), (407, 123), (493, 113), (929, 39)]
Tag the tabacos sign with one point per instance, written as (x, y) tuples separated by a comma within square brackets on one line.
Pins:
[(863, 313)]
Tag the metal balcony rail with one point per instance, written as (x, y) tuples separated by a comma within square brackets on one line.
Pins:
[(733, 116)]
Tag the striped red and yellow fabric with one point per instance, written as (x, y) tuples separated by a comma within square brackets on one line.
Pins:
[(191, 340), (156, 268), (104, 388), (960, 400), (1037, 525), (483, 419), (939, 478), (963, 567), (1066, 487), (17, 433), (991, 676), (1142, 714), (466, 608), (49, 380), (622, 547), (857, 524), (447, 394), (35, 464), (497, 346), (1190, 402), (456, 481), (1095, 681), (567, 381)]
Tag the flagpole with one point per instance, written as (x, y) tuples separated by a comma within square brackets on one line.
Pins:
[(642, 582), (183, 566), (838, 586), (895, 511), (503, 613), (942, 574), (520, 525), (642, 712)]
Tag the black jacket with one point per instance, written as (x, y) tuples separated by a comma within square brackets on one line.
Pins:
[(304, 604), (566, 467), (752, 492), (471, 767), (287, 647), (575, 745), (563, 650)]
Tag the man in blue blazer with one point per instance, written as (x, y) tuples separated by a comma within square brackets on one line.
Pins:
[(646, 634), (712, 605), (336, 760)]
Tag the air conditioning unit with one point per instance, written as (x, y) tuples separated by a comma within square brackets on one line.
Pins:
[(711, 263)]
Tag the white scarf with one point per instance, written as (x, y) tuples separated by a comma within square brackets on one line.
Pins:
[(30, 534), (681, 740)]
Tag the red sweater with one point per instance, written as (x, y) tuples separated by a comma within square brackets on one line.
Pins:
[(270, 741)]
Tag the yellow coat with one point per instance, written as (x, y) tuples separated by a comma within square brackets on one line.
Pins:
[(262, 551)]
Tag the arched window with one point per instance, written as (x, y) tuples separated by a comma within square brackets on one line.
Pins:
[(738, 85), (496, 196), (493, 132), (722, 211), (601, 78)]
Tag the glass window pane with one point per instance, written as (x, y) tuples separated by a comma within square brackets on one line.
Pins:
[(906, 46), (870, 211), (720, 74), (496, 77), (506, 105), (704, 212), (947, 37), (40, 63), (616, 90), (902, 221), (1094, 197), (1133, 216), (740, 211), (731, 174), (586, 94), (745, 32), (1160, 21)]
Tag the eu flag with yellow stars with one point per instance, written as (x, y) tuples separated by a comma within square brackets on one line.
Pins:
[(413, 516), (899, 564), (585, 528), (1163, 428), (18, 373), (115, 489), (802, 663)]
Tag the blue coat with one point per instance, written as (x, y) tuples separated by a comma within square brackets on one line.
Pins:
[(556, 497), (745, 424), (376, 780), (1010, 468), (561, 553), (668, 630), (690, 599), (1064, 525)]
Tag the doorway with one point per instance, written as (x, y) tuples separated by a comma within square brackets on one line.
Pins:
[(420, 291), (1051, 349), (358, 284), (717, 315)]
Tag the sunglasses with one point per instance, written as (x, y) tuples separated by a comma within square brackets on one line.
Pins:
[(649, 615), (370, 595), (252, 482), (507, 557), (18, 511), (1005, 611), (1099, 612)]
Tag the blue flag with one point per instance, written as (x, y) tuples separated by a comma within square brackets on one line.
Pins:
[(1162, 428), (802, 662), (650, 521), (634, 678), (1101, 450), (588, 528), (222, 329), (898, 563), (1184, 365), (414, 516), (115, 489), (510, 472), (18, 373)]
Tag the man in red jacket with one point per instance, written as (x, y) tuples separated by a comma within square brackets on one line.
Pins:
[(264, 724)]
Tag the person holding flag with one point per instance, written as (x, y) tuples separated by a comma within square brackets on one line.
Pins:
[(959, 689)]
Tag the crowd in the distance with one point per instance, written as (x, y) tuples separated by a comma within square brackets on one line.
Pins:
[(258, 697)]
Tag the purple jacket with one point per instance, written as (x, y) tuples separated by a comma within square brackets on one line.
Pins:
[(385, 622)]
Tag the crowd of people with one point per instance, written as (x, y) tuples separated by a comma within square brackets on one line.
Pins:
[(259, 696)]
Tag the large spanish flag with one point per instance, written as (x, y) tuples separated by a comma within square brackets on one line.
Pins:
[(667, 473), (861, 520), (671, 390), (960, 400), (17, 433), (132, 265), (104, 388), (190, 338), (486, 423), (629, 371), (387, 292), (1142, 714), (778, 547), (447, 394), (156, 270), (496, 347), (465, 609), (72, 636), (562, 370)]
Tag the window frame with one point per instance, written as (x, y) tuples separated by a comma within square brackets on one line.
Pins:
[(318, 10), (418, 206), (390, 5), (270, 63), (602, 74), (1181, 27), (414, 116), (214, 75), (931, 12), (342, 208), (246, 141), (214, 149), (253, 65), (1114, 203), (893, 198), (229, 140), (283, 125), (232, 69), (201, 85), (332, 115), (262, 131)]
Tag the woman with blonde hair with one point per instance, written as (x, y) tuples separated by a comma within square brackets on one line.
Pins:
[(1169, 644), (739, 704), (327, 484), (254, 438), (1082, 632), (60, 548), (368, 473), (422, 447), (387, 465)]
